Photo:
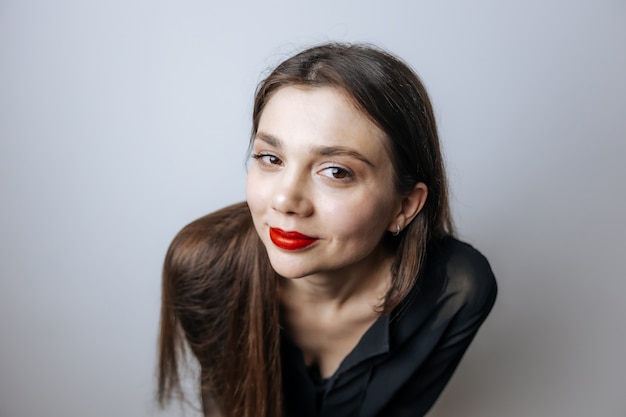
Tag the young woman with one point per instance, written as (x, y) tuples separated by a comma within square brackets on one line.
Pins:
[(359, 302)]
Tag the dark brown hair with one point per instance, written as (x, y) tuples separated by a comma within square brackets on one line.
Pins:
[(219, 291), (386, 90), (219, 300)]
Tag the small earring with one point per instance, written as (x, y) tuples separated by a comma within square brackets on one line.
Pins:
[(397, 232)]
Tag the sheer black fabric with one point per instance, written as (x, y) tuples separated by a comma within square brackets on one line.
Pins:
[(405, 359)]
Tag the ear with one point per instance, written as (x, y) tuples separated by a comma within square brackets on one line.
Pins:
[(411, 205)]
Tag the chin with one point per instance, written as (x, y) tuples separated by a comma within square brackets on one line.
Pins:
[(289, 270), (289, 273)]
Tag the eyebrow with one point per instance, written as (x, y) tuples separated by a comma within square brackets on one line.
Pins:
[(269, 139), (319, 150)]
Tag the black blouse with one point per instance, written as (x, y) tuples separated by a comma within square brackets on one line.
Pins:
[(405, 359)]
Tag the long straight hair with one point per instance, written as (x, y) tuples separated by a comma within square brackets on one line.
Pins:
[(219, 300)]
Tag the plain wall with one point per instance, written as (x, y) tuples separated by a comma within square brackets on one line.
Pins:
[(121, 121)]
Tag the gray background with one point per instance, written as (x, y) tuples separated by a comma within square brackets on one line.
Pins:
[(121, 121)]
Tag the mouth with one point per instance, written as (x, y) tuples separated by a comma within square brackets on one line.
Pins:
[(290, 240)]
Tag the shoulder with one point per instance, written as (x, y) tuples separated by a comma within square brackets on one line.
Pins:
[(463, 275)]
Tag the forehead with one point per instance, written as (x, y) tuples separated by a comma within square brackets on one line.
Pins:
[(320, 115)]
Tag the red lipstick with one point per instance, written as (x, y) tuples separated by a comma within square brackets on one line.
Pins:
[(290, 240)]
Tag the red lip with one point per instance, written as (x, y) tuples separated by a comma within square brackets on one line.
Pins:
[(290, 240)]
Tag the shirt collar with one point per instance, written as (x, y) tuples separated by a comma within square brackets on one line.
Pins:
[(374, 342)]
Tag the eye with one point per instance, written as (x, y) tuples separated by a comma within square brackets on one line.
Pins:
[(336, 173), (267, 158)]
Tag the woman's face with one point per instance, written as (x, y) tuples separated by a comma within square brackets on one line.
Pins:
[(320, 185)]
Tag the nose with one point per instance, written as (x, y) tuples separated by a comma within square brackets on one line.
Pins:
[(291, 195)]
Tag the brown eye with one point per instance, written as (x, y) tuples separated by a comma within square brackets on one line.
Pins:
[(273, 160), (337, 173), (268, 159)]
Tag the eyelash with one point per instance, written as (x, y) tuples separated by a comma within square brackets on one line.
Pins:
[(261, 156), (274, 160)]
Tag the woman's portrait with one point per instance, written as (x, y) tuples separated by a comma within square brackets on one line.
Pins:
[(375, 301), (312, 210)]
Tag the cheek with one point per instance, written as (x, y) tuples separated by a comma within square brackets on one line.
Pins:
[(362, 220), (254, 195)]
